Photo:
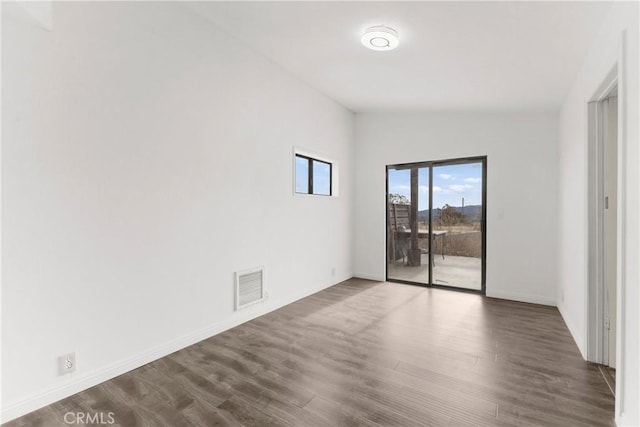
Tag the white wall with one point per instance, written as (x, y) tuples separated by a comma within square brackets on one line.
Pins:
[(146, 157), (572, 274), (522, 193)]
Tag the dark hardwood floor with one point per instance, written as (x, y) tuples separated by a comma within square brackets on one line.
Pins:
[(609, 375), (365, 353)]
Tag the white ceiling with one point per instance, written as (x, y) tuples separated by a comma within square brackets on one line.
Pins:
[(452, 55)]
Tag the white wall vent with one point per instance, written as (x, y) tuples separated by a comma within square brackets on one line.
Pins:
[(249, 287)]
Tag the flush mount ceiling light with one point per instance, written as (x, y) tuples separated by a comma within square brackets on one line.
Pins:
[(380, 37)]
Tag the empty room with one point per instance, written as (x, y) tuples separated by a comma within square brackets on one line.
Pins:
[(320, 213)]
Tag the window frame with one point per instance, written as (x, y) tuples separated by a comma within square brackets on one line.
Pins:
[(310, 158)]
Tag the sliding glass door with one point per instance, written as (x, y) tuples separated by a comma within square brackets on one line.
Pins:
[(408, 200), (458, 224), (436, 223)]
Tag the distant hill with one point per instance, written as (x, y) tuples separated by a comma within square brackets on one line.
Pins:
[(472, 212)]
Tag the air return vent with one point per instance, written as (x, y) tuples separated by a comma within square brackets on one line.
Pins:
[(249, 287)]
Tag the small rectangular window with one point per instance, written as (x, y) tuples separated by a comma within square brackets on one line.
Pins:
[(302, 175), (321, 178), (313, 176)]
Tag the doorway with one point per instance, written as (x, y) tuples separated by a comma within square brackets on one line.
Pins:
[(604, 230), (610, 174), (436, 228)]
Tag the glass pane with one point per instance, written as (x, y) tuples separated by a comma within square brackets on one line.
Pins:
[(408, 252), (321, 178), (457, 225), (302, 175)]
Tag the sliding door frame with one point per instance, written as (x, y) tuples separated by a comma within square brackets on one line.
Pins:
[(483, 220)]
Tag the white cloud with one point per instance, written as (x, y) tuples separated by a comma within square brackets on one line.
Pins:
[(446, 176), (424, 189), (460, 188), (476, 180)]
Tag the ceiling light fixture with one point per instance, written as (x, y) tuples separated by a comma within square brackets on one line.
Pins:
[(380, 37)]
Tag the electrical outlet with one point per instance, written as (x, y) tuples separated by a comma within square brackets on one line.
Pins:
[(67, 363), (333, 271)]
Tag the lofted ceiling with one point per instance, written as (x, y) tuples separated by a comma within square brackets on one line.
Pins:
[(452, 55)]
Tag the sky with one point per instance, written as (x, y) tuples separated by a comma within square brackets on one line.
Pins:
[(321, 176), (450, 184)]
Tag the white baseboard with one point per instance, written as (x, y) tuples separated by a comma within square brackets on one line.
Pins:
[(90, 379), (516, 296), (368, 277), (572, 329)]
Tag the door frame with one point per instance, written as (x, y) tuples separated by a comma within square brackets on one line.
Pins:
[(483, 225), (595, 301)]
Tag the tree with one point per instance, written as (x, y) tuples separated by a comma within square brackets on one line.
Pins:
[(398, 199), (450, 216)]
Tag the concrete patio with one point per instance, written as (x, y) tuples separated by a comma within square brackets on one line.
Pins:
[(457, 271)]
